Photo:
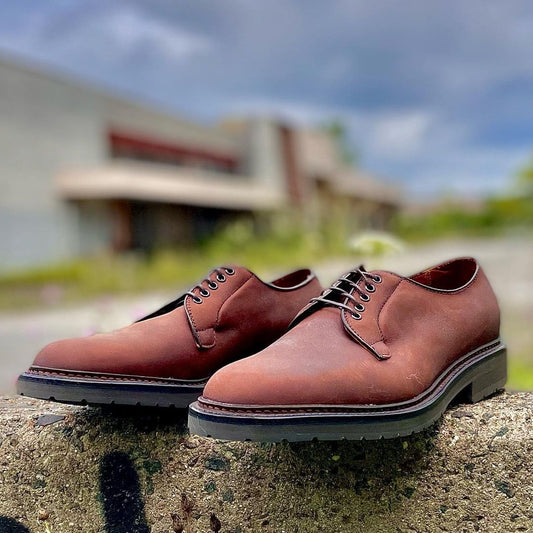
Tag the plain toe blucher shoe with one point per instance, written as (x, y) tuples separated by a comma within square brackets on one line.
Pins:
[(377, 355), (166, 358)]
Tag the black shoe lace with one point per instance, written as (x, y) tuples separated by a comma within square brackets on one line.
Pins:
[(343, 291), (209, 284)]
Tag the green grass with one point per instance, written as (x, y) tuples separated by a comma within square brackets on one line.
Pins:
[(139, 272), (496, 216), (520, 374)]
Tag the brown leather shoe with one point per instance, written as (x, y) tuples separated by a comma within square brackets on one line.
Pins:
[(376, 355), (166, 358)]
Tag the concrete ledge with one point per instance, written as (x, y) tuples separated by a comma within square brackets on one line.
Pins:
[(67, 469)]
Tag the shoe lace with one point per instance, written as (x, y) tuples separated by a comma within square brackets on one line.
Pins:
[(342, 292), (209, 283)]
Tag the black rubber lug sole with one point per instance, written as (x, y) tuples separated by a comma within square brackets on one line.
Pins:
[(100, 392), (475, 379)]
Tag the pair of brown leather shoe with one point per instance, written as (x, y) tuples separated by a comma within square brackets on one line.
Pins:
[(375, 355)]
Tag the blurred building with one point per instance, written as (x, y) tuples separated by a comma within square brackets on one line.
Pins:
[(83, 170)]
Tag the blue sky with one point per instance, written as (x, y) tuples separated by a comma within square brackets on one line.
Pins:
[(436, 95)]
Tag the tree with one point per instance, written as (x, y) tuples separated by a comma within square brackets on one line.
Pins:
[(525, 178), (338, 131)]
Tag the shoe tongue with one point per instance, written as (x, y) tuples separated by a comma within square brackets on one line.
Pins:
[(355, 274)]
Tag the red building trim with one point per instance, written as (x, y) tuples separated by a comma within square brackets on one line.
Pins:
[(125, 144)]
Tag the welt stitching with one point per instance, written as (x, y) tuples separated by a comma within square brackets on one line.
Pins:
[(115, 378), (289, 409)]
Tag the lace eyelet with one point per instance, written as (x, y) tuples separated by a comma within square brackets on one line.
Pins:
[(364, 297), (356, 316), (369, 287), (359, 307), (221, 278), (212, 285), (204, 292), (197, 300), (377, 278), (229, 271)]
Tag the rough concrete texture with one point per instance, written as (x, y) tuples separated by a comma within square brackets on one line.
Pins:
[(67, 469)]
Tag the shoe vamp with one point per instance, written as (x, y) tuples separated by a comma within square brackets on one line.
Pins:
[(317, 362), (159, 347)]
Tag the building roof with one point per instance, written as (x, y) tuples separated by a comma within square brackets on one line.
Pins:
[(319, 159), (360, 185), (157, 183)]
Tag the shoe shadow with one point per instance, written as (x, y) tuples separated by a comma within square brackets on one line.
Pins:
[(140, 419), (378, 466)]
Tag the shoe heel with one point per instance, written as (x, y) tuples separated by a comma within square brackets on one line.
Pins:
[(489, 378)]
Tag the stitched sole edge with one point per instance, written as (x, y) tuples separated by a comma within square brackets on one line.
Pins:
[(106, 392), (482, 377)]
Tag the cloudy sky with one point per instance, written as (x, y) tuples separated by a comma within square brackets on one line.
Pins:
[(436, 95)]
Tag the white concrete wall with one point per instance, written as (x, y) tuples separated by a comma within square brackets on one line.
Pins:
[(45, 125), (263, 160)]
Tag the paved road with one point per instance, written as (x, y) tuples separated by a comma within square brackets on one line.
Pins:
[(508, 263)]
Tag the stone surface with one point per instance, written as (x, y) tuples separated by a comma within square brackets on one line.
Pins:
[(130, 471)]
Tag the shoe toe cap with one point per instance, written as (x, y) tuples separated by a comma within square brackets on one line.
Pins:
[(254, 382), (237, 383), (58, 355)]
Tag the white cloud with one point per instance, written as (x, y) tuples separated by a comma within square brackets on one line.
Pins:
[(435, 95), (428, 153), (297, 112), (129, 29), (468, 171), (400, 134), (111, 34), (394, 134)]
